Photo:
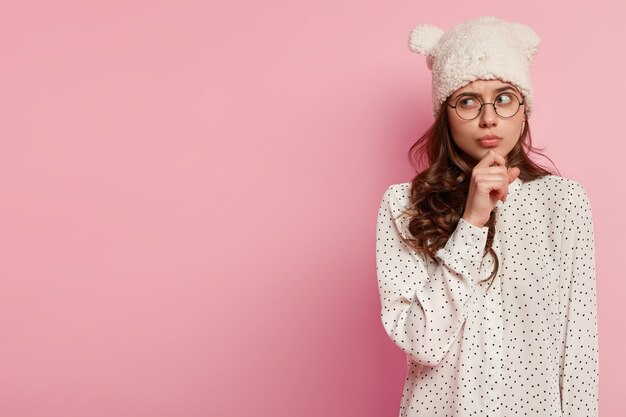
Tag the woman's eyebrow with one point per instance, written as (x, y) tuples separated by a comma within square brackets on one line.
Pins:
[(497, 90)]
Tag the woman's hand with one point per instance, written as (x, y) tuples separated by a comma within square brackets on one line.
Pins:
[(487, 185)]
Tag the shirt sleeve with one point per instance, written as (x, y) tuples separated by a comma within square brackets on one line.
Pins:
[(425, 303), (579, 367)]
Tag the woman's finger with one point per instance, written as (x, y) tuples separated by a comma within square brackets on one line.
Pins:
[(490, 159)]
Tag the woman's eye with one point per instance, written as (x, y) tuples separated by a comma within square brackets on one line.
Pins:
[(466, 102), (504, 99)]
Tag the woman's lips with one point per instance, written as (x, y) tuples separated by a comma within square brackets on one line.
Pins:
[(489, 141)]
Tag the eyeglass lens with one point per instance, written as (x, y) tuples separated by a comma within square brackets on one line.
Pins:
[(505, 104)]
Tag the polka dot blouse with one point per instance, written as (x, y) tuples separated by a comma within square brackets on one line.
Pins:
[(527, 346)]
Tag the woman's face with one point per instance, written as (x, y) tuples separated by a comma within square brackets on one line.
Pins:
[(466, 134)]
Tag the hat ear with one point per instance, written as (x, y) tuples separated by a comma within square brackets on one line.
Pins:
[(529, 38), (423, 38)]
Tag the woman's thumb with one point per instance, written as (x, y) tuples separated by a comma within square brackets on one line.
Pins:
[(513, 173)]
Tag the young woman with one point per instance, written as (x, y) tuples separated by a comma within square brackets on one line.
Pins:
[(485, 260)]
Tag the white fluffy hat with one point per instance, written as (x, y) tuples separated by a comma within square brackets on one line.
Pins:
[(483, 48)]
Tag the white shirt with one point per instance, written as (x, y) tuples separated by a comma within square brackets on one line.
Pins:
[(526, 347)]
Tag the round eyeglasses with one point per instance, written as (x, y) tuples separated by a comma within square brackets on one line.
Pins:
[(468, 107)]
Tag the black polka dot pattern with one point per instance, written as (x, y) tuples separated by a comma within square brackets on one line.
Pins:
[(527, 346)]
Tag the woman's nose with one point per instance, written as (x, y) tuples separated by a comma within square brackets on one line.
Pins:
[(488, 116)]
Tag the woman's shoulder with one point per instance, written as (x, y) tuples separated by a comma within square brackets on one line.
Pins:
[(401, 187), (558, 186), (398, 195), (400, 190)]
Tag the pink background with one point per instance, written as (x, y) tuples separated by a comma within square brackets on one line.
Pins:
[(189, 194)]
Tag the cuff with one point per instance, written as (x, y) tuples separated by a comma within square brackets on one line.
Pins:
[(465, 247)]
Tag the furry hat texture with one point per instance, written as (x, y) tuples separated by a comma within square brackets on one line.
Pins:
[(483, 48)]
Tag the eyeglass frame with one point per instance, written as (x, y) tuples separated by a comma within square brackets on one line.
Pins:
[(480, 109)]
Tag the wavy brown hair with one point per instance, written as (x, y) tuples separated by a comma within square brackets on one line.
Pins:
[(439, 192)]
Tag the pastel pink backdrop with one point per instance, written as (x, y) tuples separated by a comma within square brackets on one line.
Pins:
[(190, 189)]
